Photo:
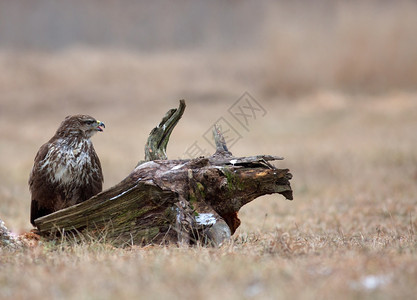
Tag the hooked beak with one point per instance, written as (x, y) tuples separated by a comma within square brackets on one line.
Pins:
[(100, 126)]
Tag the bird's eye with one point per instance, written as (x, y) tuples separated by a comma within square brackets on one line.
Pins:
[(89, 122)]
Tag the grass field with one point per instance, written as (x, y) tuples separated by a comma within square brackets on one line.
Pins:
[(343, 115), (349, 232)]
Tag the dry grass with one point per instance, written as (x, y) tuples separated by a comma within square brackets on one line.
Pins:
[(354, 166), (348, 45), (350, 233)]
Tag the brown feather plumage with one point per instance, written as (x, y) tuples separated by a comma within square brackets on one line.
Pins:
[(67, 169)]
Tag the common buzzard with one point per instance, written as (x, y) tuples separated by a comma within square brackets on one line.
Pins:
[(67, 169)]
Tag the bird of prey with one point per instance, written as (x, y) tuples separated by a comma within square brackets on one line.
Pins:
[(67, 169)]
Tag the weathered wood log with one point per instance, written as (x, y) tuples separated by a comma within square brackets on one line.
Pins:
[(182, 201)]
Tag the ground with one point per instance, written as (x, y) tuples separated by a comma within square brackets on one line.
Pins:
[(349, 233)]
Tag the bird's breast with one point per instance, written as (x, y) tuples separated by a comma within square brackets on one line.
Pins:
[(68, 164)]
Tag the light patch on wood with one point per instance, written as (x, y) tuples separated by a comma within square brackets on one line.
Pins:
[(205, 219), (148, 164), (177, 167), (121, 194), (261, 174)]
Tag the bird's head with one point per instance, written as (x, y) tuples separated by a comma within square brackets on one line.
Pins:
[(83, 125)]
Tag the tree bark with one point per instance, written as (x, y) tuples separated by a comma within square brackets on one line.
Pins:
[(182, 201)]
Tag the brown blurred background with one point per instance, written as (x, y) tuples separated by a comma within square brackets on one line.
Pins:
[(337, 81)]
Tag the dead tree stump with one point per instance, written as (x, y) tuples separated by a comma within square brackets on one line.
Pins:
[(181, 201)]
